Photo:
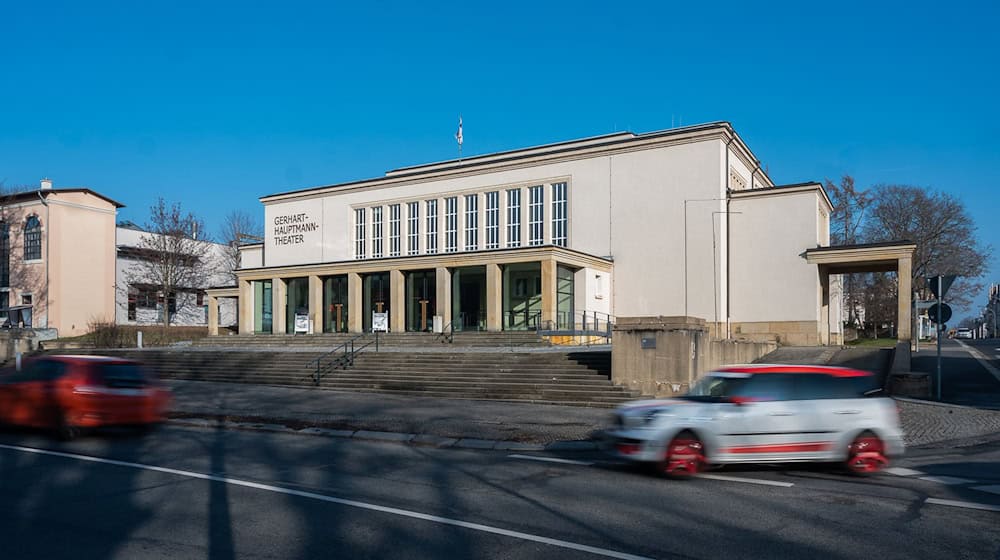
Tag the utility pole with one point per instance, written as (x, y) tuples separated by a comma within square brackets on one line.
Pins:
[(939, 305)]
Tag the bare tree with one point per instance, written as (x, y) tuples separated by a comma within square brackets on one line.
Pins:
[(941, 227), (849, 206), (173, 257), (238, 228)]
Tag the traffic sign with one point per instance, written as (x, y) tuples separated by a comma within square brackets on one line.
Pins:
[(932, 312), (932, 283)]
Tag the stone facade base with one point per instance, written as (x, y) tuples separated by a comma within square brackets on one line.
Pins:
[(786, 333), (663, 356)]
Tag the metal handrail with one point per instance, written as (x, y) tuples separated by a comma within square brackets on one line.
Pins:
[(342, 356), (447, 334), (589, 324)]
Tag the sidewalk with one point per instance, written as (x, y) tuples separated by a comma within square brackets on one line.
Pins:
[(481, 424)]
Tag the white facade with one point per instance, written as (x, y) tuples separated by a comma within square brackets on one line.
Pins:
[(648, 224), (138, 303)]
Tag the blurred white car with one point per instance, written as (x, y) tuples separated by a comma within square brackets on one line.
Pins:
[(963, 332), (762, 414)]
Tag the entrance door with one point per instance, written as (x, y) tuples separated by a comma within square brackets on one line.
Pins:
[(335, 304), (376, 297), (420, 300), (469, 298)]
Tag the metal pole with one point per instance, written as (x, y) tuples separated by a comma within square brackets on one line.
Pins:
[(939, 338)]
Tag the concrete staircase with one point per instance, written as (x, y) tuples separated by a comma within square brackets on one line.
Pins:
[(579, 377), (467, 339)]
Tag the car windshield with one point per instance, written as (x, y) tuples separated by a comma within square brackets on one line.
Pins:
[(716, 387)]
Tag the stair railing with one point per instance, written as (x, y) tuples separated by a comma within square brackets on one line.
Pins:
[(341, 357), (447, 334), (580, 323)]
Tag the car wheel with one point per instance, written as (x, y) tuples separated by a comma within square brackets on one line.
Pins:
[(684, 456), (66, 430), (866, 455)]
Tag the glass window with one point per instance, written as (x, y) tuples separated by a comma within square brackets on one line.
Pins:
[(394, 240), (559, 219), (514, 217), (432, 226), (377, 232), (413, 231), (811, 386), (536, 215), (471, 222), (359, 233), (32, 239), (767, 387), (493, 220), (451, 224)]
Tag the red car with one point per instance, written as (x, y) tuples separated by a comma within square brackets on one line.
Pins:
[(70, 394)]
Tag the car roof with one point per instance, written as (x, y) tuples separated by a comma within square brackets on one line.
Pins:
[(791, 368)]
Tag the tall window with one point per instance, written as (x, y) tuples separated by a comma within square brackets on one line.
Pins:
[(451, 224), (359, 233), (377, 232), (514, 218), (559, 220), (471, 222), (4, 255), (413, 231), (492, 220), (394, 223), (32, 239), (432, 227), (536, 215)]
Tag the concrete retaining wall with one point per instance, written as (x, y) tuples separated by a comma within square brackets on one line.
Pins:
[(662, 356)]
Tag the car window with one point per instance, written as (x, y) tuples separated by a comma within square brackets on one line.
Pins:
[(716, 387), (39, 370), (122, 376), (767, 387), (811, 386)]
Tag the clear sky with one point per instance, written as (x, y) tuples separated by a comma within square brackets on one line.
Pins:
[(213, 104)]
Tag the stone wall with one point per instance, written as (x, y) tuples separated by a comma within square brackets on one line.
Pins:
[(662, 356)]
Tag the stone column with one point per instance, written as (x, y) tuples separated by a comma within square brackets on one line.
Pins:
[(244, 308), (548, 293), (316, 303), (355, 299), (494, 298), (279, 305), (442, 294), (213, 316), (397, 301), (904, 318), (824, 309)]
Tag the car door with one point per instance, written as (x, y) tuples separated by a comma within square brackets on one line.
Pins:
[(761, 421)]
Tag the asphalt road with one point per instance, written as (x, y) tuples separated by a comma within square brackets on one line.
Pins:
[(210, 493), (970, 371)]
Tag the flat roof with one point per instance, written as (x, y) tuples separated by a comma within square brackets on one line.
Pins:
[(33, 194)]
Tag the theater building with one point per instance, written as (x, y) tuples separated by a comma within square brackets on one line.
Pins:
[(682, 222)]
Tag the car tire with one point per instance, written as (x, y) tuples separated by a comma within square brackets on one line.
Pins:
[(684, 456), (866, 455)]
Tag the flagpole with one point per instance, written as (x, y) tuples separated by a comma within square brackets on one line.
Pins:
[(459, 137)]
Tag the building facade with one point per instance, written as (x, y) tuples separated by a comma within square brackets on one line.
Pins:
[(57, 259), (682, 222)]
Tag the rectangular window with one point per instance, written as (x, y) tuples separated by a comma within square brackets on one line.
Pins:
[(432, 227), (471, 222), (514, 218), (377, 232), (559, 219), (493, 220), (451, 224), (359, 233), (536, 215), (394, 223), (413, 233)]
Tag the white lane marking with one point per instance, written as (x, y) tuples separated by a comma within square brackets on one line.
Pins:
[(902, 471), (949, 480), (967, 505), (341, 501), (982, 360), (747, 480), (992, 489), (551, 460)]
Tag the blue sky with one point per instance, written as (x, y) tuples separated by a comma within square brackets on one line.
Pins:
[(214, 104)]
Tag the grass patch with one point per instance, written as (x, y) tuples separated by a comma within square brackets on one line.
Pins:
[(873, 343)]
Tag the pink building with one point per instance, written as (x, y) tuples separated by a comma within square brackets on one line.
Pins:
[(57, 258)]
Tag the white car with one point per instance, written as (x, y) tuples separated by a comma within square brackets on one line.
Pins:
[(762, 414), (963, 332)]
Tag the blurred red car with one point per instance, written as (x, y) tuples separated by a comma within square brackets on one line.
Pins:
[(70, 394)]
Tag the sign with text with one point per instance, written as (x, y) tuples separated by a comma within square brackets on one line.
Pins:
[(293, 233), (380, 322)]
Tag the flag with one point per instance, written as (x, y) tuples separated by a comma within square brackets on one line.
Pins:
[(458, 135)]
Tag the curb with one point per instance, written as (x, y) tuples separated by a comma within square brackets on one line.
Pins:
[(426, 440)]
